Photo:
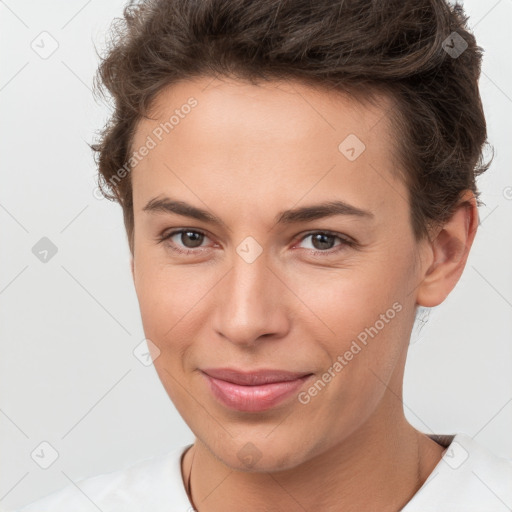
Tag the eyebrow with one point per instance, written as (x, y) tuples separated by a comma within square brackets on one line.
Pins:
[(301, 214)]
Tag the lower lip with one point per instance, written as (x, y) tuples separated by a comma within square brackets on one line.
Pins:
[(253, 398)]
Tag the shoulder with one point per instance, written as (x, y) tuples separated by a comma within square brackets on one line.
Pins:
[(151, 484), (468, 478)]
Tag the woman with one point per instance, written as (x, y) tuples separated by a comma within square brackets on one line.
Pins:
[(296, 179)]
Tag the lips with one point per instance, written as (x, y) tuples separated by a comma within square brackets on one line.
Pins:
[(253, 391), (253, 378)]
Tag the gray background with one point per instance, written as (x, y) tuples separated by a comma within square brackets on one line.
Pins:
[(69, 326)]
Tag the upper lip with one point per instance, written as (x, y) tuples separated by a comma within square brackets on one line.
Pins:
[(253, 378)]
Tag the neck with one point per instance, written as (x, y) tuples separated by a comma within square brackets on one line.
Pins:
[(372, 469)]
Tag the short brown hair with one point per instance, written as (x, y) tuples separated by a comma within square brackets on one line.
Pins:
[(418, 52)]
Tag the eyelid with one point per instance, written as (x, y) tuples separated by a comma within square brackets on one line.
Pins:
[(341, 236), (346, 240), (166, 236)]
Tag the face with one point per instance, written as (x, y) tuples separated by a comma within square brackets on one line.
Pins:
[(267, 277)]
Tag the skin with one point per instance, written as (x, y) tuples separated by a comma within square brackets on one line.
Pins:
[(245, 153)]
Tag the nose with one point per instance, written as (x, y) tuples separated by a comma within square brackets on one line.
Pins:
[(249, 303)]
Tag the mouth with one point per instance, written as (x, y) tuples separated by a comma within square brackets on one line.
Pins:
[(253, 391)]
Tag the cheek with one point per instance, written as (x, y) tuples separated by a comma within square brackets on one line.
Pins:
[(172, 301), (169, 302), (361, 350), (349, 300), (360, 316)]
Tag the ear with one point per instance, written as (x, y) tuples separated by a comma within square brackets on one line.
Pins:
[(448, 253), (132, 267)]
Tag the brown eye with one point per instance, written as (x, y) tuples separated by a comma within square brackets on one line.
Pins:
[(323, 242), (191, 239), (184, 240)]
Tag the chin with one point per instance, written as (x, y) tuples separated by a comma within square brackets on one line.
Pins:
[(253, 454)]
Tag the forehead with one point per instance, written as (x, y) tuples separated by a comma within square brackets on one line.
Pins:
[(225, 137), (227, 105)]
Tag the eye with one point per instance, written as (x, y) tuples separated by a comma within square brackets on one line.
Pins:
[(184, 241), (323, 242), (189, 241)]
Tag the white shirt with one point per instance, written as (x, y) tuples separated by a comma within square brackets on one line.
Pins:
[(468, 478)]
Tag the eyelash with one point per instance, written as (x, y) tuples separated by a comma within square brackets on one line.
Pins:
[(346, 242)]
